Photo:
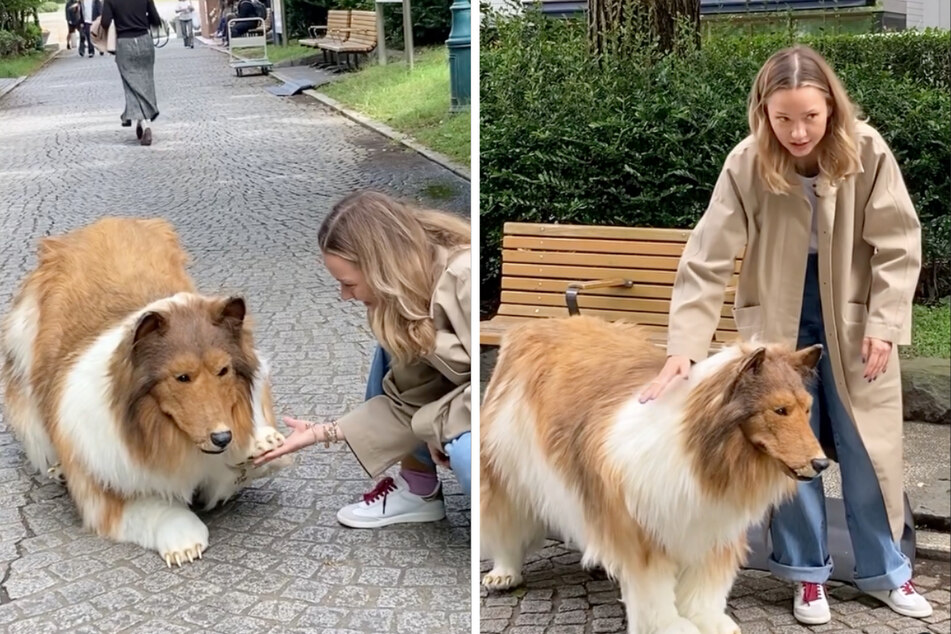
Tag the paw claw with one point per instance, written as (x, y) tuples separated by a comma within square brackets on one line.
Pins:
[(501, 581), (179, 557), (55, 473), (265, 439)]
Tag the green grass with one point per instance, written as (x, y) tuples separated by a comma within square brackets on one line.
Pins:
[(290, 51), (22, 65), (414, 102), (931, 331)]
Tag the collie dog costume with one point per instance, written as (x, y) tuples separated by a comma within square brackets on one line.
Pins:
[(143, 395), (660, 494)]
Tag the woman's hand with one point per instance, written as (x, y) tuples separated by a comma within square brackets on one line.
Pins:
[(302, 435), (677, 366), (875, 353)]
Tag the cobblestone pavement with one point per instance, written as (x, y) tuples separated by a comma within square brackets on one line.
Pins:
[(559, 597), (246, 177)]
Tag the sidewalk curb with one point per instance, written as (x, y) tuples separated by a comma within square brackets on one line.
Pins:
[(933, 545), (19, 80), (387, 131)]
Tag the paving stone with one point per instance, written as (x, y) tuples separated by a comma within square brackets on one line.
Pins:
[(246, 178), (759, 603)]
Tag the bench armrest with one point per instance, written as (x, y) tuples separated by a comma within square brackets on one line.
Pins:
[(571, 293), (313, 30)]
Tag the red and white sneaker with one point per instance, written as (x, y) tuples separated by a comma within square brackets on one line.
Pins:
[(391, 502), (905, 600), (810, 606)]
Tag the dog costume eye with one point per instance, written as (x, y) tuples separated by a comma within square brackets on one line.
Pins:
[(183, 378), (223, 371), (781, 411)]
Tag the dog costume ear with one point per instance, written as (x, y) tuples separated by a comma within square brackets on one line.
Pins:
[(751, 363), (806, 360), (150, 322), (233, 308), (230, 315)]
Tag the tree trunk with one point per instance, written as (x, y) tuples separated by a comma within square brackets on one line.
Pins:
[(616, 25)]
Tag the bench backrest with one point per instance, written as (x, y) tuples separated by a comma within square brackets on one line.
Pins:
[(362, 28), (338, 20), (539, 261)]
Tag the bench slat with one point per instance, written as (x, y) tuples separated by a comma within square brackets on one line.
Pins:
[(657, 319), (644, 291), (596, 231), (587, 273), (610, 260), (592, 245), (491, 332), (585, 302)]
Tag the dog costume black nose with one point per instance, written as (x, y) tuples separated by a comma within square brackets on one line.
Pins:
[(222, 438), (819, 464)]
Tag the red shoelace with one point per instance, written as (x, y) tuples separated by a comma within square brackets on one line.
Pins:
[(811, 592), (382, 488), (909, 588)]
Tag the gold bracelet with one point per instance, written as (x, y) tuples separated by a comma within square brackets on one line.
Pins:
[(313, 430), (331, 432)]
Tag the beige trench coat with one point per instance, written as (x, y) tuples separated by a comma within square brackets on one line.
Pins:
[(428, 401), (869, 260)]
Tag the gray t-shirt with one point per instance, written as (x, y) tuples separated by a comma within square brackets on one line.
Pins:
[(809, 189)]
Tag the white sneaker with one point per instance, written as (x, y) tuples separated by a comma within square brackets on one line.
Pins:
[(905, 600), (391, 502), (810, 606)]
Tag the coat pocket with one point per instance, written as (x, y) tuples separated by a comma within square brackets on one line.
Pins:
[(749, 321), (855, 313)]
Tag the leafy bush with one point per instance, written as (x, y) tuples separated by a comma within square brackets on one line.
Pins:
[(639, 141), (11, 44), (929, 334), (49, 7)]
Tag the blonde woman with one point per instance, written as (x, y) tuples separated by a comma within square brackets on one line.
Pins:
[(833, 251), (410, 268)]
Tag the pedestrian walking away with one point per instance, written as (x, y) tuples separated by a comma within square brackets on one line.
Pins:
[(135, 57)]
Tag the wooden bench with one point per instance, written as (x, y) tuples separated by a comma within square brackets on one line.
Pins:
[(338, 21), (616, 273), (361, 37)]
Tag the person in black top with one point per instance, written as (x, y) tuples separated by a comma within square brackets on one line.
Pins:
[(74, 20), (135, 57)]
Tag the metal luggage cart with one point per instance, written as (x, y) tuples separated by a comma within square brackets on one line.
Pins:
[(254, 38)]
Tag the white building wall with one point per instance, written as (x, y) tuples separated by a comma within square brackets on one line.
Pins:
[(928, 13)]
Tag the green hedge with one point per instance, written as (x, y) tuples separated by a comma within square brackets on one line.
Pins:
[(566, 138), (431, 18)]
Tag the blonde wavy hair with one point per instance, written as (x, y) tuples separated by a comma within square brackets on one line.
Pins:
[(796, 67), (395, 246)]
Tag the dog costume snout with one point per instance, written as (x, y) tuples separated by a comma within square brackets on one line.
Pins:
[(820, 464), (222, 438)]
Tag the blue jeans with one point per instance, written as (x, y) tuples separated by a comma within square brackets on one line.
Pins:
[(459, 449), (798, 528)]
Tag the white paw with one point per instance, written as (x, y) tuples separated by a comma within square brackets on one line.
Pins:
[(265, 439), (716, 623), (501, 579), (181, 537), (56, 474), (680, 626)]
